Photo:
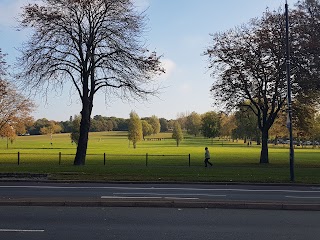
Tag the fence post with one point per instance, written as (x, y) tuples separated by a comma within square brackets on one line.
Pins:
[(104, 159), (189, 160), (59, 158), (146, 159), (18, 158)]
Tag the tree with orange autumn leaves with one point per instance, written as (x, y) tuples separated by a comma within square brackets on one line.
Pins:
[(15, 109)]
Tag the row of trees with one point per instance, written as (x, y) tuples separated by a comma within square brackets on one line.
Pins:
[(241, 124), (139, 129), (208, 124), (98, 124)]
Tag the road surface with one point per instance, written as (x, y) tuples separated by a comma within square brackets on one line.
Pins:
[(156, 223), (166, 195)]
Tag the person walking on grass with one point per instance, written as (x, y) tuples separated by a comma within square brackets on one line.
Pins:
[(207, 157)]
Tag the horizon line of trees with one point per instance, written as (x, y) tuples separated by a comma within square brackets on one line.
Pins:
[(241, 124)]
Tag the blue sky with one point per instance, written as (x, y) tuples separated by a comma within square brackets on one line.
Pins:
[(177, 29)]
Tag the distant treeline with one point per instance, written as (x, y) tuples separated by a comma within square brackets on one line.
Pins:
[(98, 124)]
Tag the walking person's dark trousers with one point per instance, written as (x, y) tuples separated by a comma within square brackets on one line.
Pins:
[(206, 161)]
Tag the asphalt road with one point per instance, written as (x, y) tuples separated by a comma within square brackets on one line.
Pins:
[(156, 223), (165, 195)]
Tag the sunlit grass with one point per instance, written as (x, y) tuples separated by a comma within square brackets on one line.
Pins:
[(112, 158)]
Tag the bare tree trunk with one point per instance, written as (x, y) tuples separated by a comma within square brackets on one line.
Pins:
[(264, 156), (80, 157)]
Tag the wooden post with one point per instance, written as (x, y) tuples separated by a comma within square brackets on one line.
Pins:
[(146, 159)]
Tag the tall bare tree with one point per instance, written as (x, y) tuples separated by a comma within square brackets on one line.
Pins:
[(250, 67), (249, 63), (95, 44)]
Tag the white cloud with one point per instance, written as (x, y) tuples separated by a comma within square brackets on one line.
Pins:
[(169, 67)]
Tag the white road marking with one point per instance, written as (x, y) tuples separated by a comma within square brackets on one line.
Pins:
[(169, 198), (177, 198), (121, 197), (173, 194), (19, 230), (302, 197)]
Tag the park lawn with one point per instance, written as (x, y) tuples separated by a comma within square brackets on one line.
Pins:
[(156, 160)]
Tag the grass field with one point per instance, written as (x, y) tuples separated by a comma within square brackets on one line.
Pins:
[(155, 160)]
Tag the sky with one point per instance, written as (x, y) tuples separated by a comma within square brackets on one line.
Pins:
[(179, 30)]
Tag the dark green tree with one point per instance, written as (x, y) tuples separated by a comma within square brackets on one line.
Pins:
[(37, 125), (210, 126), (193, 123), (246, 124), (163, 125)]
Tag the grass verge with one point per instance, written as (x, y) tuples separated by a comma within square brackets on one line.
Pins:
[(157, 160)]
